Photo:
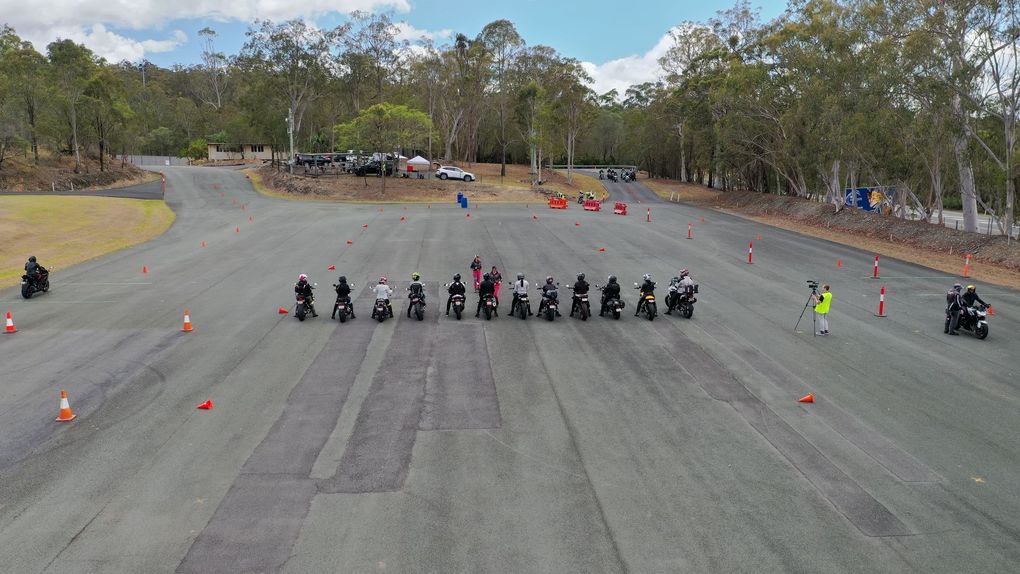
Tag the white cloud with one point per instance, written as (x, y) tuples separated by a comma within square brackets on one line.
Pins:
[(412, 34), (622, 73), (87, 21)]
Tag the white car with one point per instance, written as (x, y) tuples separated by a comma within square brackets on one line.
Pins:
[(450, 172)]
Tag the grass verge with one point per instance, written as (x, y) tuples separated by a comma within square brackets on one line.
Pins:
[(64, 231)]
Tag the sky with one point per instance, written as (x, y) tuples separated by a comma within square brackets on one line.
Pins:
[(618, 42)]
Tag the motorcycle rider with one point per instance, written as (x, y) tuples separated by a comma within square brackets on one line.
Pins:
[(580, 288), (646, 288), (610, 291), (486, 287), (602, 174), (343, 293), (520, 288), (303, 287), (954, 306), (970, 297), (455, 288), (383, 291), (684, 285), (476, 269), (549, 290), (34, 270), (415, 287)]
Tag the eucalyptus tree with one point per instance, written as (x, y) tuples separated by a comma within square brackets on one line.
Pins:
[(72, 66), (503, 42)]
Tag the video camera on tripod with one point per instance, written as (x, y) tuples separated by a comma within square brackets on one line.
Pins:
[(814, 293), (813, 285)]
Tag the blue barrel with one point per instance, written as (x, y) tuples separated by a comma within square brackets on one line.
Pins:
[(463, 202), (460, 197)]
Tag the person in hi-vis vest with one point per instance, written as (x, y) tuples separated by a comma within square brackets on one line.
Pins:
[(822, 302)]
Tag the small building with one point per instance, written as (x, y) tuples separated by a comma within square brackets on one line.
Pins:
[(239, 152)]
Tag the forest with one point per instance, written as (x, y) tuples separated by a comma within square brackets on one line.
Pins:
[(919, 96)]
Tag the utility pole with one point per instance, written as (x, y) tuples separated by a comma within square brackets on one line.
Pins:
[(290, 134)]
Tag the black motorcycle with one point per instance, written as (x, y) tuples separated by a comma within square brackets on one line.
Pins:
[(681, 299), (488, 305), (614, 305), (523, 305), (580, 303), (343, 309), (380, 310), (550, 304), (418, 304), (457, 302), (36, 284)]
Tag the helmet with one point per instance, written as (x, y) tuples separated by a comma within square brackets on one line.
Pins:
[(520, 277), (456, 277), (647, 277), (684, 273), (486, 277), (580, 276), (342, 279), (382, 280), (612, 278), (549, 279), (32, 258), (302, 277), (957, 286), (415, 276), (971, 288)]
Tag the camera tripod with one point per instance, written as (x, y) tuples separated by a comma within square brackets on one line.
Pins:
[(814, 331)]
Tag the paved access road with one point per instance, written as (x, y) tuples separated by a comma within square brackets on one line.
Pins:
[(508, 446)]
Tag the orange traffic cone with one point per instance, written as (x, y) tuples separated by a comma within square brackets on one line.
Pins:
[(602, 249), (10, 324), (237, 229), (66, 414), (839, 264), (991, 312), (364, 226), (577, 224), (203, 244), (808, 398), (349, 242), (331, 268), (535, 217), (402, 218), (187, 322), (206, 406), (145, 268), (283, 311), (469, 215)]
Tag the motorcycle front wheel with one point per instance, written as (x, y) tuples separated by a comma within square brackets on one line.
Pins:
[(26, 291), (981, 332)]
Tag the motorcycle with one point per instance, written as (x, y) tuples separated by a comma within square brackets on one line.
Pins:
[(380, 310), (974, 320), (648, 305), (614, 305), (457, 302), (343, 308), (418, 304), (580, 199), (30, 285), (488, 306), (583, 307), (523, 305), (550, 304), (682, 301)]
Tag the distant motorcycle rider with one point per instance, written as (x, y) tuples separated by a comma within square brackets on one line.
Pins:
[(415, 287), (303, 287), (343, 293), (486, 287), (520, 288), (549, 291), (954, 306), (383, 291), (455, 288), (646, 288), (609, 292), (33, 269), (580, 288), (684, 286)]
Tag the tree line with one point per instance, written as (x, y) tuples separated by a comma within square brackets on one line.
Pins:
[(917, 95)]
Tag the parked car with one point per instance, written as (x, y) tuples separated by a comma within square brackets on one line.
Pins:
[(450, 172), (372, 168)]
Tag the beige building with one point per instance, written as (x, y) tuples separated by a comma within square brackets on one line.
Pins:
[(248, 151)]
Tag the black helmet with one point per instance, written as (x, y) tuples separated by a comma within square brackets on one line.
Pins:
[(32, 258), (520, 277), (580, 276), (549, 279), (456, 277), (487, 277), (342, 279), (612, 278)]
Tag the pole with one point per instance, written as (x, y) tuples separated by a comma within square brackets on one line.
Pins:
[(750, 253), (875, 274), (290, 134), (881, 303), (966, 266), (689, 232), (649, 215)]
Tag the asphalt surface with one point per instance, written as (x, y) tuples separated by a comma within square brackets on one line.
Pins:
[(503, 446), (150, 190)]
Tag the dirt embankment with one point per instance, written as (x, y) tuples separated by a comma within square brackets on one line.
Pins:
[(57, 173), (935, 246)]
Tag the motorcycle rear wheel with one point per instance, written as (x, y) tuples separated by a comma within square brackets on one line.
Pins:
[(981, 332), (419, 313), (456, 311), (488, 313), (584, 312), (616, 315), (343, 316), (650, 310)]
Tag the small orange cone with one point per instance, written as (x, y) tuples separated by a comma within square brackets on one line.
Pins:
[(402, 218), (991, 312), (759, 237), (145, 268), (365, 226), (206, 406), (839, 264), (535, 217), (10, 324), (203, 244), (602, 249), (187, 322), (283, 311), (237, 229), (331, 268), (808, 398), (469, 215), (349, 242), (66, 414), (577, 224)]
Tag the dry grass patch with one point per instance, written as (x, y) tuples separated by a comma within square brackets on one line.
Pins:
[(679, 191), (63, 231)]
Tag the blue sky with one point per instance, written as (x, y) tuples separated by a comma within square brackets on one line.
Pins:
[(618, 40)]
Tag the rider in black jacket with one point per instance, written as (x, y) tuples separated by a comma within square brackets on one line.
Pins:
[(456, 288), (486, 287), (646, 288), (303, 287), (610, 291), (580, 288), (343, 293)]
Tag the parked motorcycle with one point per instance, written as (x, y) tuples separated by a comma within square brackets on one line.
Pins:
[(488, 306), (523, 304), (457, 302), (550, 304), (583, 307), (30, 285), (648, 305), (418, 305), (973, 320), (343, 308), (381, 310), (682, 300), (614, 305)]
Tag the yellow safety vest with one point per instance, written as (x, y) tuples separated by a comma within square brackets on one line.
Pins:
[(823, 303)]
